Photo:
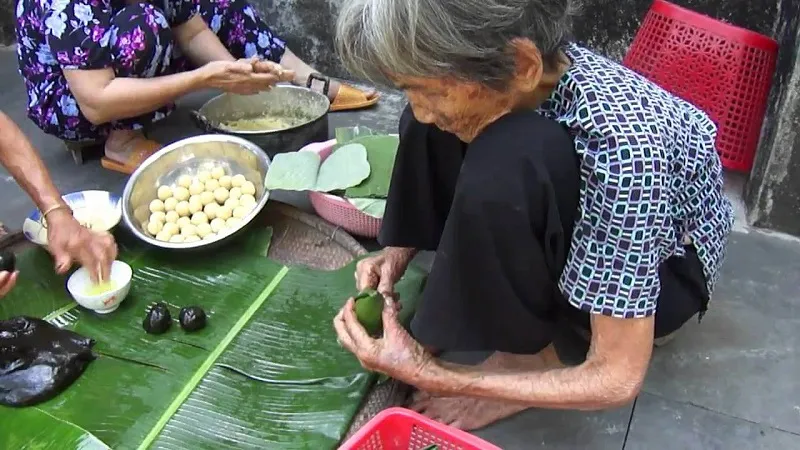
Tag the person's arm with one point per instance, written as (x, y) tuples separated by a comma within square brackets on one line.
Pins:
[(199, 43)]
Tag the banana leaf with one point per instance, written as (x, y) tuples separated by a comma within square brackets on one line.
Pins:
[(267, 372)]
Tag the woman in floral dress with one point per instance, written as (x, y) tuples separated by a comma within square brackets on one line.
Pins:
[(101, 70)]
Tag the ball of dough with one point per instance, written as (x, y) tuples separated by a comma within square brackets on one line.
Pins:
[(233, 222), (247, 200), (224, 213), (172, 217), (195, 204), (232, 203), (157, 206), (238, 180), (248, 188), (158, 217), (203, 176), (196, 188), (235, 192), (203, 230), (199, 217), (209, 236), (177, 238), (192, 238), (217, 172), (225, 181), (163, 236), (170, 204), (171, 228), (211, 210), (185, 181), (164, 192), (217, 225), (220, 195), (182, 208), (212, 185), (154, 227), (207, 197), (189, 230), (241, 212), (183, 221), (180, 193)]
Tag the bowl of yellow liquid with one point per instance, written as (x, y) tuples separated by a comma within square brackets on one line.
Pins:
[(103, 297)]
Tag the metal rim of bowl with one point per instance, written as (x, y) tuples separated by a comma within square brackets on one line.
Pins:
[(127, 213), (282, 130)]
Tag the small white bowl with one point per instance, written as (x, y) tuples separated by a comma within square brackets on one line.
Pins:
[(98, 210), (79, 282)]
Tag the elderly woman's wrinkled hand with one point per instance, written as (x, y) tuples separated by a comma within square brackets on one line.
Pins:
[(238, 77), (7, 282), (69, 242), (395, 353), (269, 67)]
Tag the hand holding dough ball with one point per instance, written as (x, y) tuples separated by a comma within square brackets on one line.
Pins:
[(157, 206), (238, 180), (196, 188), (217, 172), (164, 192), (180, 193)]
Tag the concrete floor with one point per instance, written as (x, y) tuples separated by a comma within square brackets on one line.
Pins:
[(730, 383)]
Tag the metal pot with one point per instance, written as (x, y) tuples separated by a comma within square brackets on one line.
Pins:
[(306, 110)]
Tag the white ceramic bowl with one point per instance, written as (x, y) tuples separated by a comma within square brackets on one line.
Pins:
[(99, 210), (79, 283)]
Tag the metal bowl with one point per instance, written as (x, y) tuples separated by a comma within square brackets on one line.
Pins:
[(187, 157)]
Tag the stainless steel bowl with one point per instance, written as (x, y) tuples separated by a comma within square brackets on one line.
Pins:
[(187, 157)]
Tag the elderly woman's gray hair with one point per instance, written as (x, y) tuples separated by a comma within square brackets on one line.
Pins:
[(466, 39)]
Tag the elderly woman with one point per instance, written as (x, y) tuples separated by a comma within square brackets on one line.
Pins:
[(558, 189), (101, 70), (68, 241)]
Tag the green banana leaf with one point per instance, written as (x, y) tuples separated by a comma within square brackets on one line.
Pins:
[(266, 372)]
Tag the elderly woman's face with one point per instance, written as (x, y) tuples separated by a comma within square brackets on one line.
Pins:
[(459, 107)]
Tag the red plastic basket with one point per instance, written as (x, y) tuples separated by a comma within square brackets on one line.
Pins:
[(337, 210), (722, 69), (403, 429)]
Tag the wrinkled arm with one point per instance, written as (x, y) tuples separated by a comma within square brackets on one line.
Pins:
[(611, 376), (199, 43), (22, 161)]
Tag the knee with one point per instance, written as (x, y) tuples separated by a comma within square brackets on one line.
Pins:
[(140, 33)]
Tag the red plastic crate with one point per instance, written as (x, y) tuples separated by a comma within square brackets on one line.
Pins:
[(403, 429), (724, 70)]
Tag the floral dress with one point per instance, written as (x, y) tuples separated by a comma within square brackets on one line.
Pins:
[(135, 40)]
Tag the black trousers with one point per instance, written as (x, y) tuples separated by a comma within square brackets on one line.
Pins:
[(499, 213)]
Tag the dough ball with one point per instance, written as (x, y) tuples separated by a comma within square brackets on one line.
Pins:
[(224, 213), (183, 221), (157, 206), (177, 238), (172, 217), (164, 192), (238, 180), (220, 195), (211, 210), (189, 230), (170, 204), (232, 203), (171, 228), (235, 192), (247, 200), (207, 197), (203, 176), (181, 193), (196, 188), (192, 238), (212, 185), (185, 181), (217, 225), (233, 222), (163, 236), (241, 212), (158, 217), (195, 204), (203, 230), (182, 208), (248, 188), (209, 236), (217, 172), (225, 181), (154, 227), (199, 217)]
